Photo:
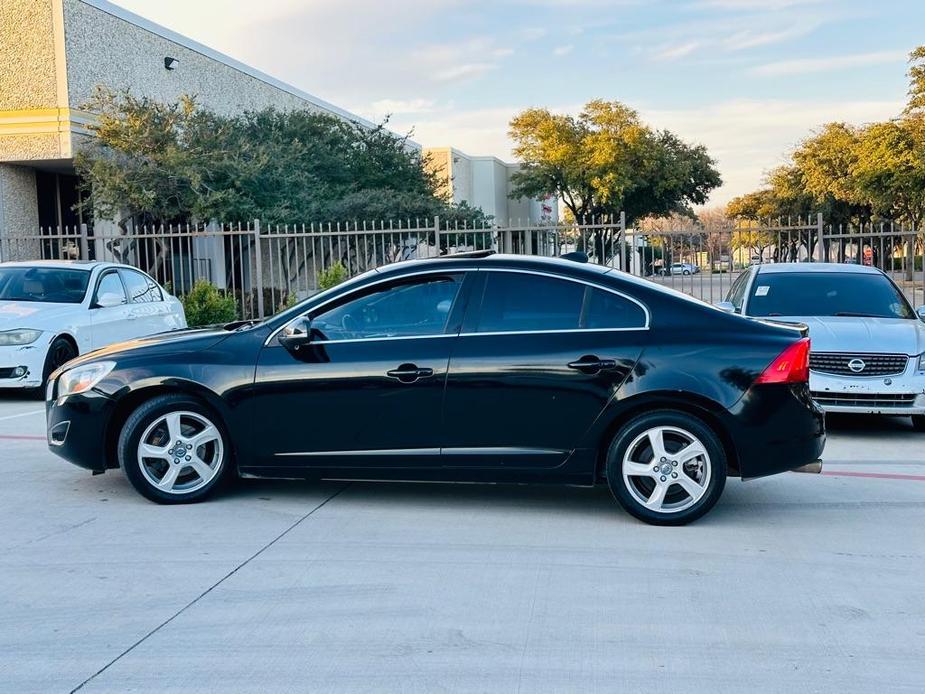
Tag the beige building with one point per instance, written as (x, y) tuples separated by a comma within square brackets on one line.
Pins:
[(55, 53), (485, 182)]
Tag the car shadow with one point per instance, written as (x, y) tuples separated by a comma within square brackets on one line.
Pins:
[(867, 425)]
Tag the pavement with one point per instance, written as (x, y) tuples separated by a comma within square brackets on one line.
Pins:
[(798, 583)]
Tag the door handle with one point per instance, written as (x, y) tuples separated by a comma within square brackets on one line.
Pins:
[(409, 373), (590, 364)]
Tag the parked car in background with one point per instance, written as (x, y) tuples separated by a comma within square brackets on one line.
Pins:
[(476, 368), (681, 269), (868, 352), (52, 311)]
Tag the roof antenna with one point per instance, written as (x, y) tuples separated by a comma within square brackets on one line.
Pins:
[(575, 257)]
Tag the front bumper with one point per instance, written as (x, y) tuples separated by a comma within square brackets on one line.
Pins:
[(77, 429), (21, 365), (903, 394)]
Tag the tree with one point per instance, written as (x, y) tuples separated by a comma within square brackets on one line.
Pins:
[(916, 81), (606, 161), (154, 163)]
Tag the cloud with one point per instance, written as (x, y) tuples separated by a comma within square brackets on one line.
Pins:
[(753, 39), (560, 51), (754, 5), (750, 137), (384, 107), (462, 72), (831, 63), (675, 51)]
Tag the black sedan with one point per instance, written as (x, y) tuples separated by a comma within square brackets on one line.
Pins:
[(477, 367)]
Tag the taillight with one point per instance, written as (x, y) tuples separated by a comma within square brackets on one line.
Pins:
[(792, 366)]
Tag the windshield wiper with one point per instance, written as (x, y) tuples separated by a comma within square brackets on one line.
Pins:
[(241, 324), (852, 314)]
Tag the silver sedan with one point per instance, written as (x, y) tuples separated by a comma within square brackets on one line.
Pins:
[(868, 344)]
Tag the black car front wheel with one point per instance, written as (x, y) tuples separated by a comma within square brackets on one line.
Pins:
[(174, 450), (666, 467)]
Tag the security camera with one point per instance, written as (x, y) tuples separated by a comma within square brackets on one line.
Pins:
[(171, 63)]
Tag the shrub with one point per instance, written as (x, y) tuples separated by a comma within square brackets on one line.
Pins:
[(332, 276), (205, 304)]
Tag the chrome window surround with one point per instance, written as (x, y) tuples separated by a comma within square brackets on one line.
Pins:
[(425, 273)]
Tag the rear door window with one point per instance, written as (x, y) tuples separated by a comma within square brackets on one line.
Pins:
[(521, 302)]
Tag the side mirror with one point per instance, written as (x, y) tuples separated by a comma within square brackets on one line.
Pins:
[(109, 299), (920, 311), (726, 306), (296, 334)]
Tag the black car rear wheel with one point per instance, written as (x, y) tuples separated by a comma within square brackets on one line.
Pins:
[(175, 450), (666, 468)]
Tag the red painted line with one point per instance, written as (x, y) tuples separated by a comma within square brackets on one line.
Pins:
[(22, 438), (875, 475)]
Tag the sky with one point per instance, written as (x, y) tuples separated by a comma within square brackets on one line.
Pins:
[(747, 78)]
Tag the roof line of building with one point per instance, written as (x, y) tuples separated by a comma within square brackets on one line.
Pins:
[(186, 42)]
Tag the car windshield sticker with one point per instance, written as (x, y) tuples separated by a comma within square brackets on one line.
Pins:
[(762, 290)]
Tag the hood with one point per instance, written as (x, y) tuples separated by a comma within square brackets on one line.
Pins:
[(35, 314), (851, 334), (177, 341)]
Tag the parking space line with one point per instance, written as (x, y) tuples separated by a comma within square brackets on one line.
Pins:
[(21, 414), (22, 437), (208, 590), (874, 475)]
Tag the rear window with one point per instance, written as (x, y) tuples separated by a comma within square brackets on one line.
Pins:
[(43, 284), (826, 294)]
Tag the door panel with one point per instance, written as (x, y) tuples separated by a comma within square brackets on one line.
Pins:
[(110, 323), (536, 363), (514, 401), (367, 390), (337, 406)]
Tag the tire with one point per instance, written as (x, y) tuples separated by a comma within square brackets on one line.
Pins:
[(60, 351), (178, 470), (918, 422), (687, 272), (654, 497)]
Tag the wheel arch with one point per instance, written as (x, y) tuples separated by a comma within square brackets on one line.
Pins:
[(697, 406), (65, 335), (131, 400)]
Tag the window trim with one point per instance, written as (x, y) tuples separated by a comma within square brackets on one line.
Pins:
[(554, 331), (463, 271), (94, 298), (359, 290), (124, 271)]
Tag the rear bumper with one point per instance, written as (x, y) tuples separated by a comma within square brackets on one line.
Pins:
[(775, 428), (77, 428)]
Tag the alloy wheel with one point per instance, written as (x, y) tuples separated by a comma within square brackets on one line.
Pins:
[(667, 469), (180, 452)]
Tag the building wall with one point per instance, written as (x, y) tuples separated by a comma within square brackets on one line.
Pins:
[(485, 182), (104, 48), (19, 213), (28, 79)]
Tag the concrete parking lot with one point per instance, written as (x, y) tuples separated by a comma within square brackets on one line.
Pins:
[(797, 583)]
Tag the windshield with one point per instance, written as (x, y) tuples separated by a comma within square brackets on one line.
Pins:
[(827, 294), (43, 284)]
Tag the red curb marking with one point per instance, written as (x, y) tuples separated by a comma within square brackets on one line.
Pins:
[(22, 438), (876, 475)]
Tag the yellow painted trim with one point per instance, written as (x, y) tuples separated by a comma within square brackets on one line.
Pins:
[(62, 121)]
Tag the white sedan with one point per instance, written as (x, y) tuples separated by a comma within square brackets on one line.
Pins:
[(51, 311)]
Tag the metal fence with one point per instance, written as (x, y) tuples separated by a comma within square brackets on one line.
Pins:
[(265, 268)]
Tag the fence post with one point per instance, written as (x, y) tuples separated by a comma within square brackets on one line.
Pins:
[(507, 239), (437, 234), (84, 246), (621, 237), (258, 259), (820, 230)]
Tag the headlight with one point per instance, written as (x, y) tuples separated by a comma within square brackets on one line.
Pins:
[(22, 336), (82, 378), (922, 362)]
